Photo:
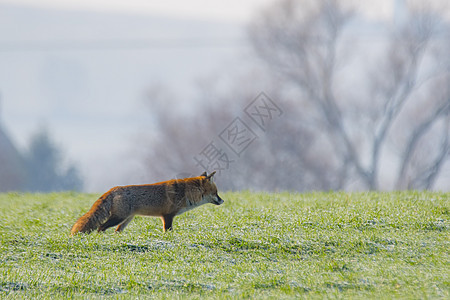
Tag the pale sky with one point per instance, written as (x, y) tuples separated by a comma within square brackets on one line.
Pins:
[(85, 130), (233, 10), (230, 10)]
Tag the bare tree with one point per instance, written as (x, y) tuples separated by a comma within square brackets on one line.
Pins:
[(303, 42), (356, 111), (420, 165), (279, 159)]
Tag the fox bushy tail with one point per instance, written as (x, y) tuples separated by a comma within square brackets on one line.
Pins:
[(98, 214)]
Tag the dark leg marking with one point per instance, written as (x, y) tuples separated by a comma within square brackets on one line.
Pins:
[(167, 222)]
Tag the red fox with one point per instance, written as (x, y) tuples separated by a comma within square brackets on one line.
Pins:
[(165, 199)]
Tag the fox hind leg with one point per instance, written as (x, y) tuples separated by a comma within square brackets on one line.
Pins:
[(112, 221), (124, 224)]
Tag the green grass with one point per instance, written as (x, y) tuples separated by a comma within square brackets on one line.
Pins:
[(256, 245)]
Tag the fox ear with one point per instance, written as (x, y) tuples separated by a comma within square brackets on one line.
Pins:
[(204, 174), (210, 176)]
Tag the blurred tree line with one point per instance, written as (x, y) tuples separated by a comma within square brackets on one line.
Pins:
[(39, 169), (366, 106)]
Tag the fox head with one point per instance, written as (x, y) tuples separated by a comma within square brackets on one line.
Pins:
[(210, 189)]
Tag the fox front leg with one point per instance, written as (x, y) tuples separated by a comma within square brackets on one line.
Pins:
[(167, 222)]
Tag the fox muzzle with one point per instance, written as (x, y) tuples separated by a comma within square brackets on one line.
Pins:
[(218, 200)]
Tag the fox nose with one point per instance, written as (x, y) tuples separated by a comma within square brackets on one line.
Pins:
[(219, 200)]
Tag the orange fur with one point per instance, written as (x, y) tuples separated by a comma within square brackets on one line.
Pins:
[(165, 199)]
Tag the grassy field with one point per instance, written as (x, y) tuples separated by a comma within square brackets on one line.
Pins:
[(256, 245)]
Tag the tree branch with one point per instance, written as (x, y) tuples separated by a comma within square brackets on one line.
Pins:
[(415, 138), (426, 178)]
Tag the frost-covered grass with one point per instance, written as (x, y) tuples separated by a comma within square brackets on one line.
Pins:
[(256, 245)]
